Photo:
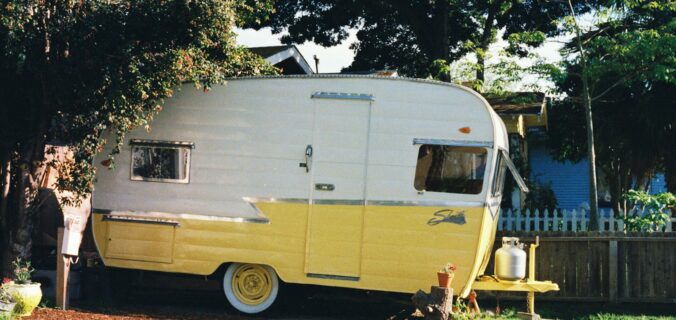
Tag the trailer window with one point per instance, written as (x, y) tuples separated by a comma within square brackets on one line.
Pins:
[(450, 169), (500, 171), (160, 161)]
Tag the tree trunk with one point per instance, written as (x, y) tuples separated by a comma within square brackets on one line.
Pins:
[(486, 39), (5, 180), (20, 241), (437, 305), (28, 170), (593, 191), (586, 98), (441, 47), (670, 169)]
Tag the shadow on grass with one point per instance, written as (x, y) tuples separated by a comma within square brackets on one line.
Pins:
[(165, 296)]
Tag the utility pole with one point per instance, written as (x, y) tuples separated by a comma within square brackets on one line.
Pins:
[(316, 63)]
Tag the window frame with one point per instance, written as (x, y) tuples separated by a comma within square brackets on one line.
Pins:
[(175, 145), (485, 146)]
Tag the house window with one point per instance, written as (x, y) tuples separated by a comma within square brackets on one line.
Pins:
[(499, 179), (160, 161), (450, 169)]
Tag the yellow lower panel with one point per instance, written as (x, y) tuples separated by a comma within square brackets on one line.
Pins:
[(143, 242), (388, 248), (334, 246)]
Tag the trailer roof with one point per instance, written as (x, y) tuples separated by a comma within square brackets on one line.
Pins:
[(343, 75)]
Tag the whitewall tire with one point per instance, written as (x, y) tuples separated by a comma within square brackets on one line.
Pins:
[(250, 288)]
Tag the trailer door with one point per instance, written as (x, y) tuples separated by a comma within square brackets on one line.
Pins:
[(338, 171)]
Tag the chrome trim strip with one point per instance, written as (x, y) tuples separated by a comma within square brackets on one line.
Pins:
[(186, 216), (412, 203), (164, 180), (457, 143), (141, 220), (360, 202), (342, 95), (426, 203), (332, 277), (161, 143), (276, 200)]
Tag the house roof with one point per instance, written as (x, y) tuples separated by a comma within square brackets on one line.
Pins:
[(518, 102), (287, 58)]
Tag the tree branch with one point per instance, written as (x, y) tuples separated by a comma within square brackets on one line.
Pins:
[(618, 82)]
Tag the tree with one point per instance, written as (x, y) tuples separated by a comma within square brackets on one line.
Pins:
[(410, 35), (71, 70), (630, 73)]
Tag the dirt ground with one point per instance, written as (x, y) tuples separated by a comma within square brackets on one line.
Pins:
[(302, 303), (163, 297), (118, 314)]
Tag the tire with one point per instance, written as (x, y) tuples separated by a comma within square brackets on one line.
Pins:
[(250, 288)]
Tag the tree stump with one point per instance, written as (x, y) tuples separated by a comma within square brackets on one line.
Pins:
[(437, 305)]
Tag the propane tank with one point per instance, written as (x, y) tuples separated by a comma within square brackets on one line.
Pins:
[(510, 260)]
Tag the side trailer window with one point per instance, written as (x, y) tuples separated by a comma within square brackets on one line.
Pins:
[(500, 171), (450, 169), (160, 161)]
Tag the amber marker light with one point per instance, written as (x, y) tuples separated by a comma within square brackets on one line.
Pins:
[(465, 130), (106, 163)]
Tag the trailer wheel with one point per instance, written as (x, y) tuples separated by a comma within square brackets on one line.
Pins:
[(250, 288)]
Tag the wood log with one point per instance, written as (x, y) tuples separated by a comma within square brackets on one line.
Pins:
[(437, 305)]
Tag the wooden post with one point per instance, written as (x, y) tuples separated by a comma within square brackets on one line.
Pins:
[(612, 270), (62, 271)]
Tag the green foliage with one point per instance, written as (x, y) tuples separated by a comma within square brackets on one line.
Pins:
[(22, 271), (440, 70), (630, 66), (651, 212), (411, 35), (504, 71), (76, 69), (540, 197)]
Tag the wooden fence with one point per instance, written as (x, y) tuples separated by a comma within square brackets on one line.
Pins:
[(615, 267), (562, 220)]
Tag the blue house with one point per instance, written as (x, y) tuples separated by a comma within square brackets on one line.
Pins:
[(525, 116)]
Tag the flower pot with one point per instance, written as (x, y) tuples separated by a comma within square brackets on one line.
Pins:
[(27, 297), (445, 279)]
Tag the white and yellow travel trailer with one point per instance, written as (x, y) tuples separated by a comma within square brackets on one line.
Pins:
[(348, 181)]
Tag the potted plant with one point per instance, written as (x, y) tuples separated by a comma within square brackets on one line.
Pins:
[(445, 275), (26, 293), (7, 303)]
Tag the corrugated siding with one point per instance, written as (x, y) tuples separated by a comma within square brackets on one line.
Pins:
[(568, 180), (658, 184)]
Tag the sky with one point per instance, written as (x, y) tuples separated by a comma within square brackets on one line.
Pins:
[(333, 59)]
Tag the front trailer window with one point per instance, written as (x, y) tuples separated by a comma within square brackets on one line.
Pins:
[(450, 169), (163, 162)]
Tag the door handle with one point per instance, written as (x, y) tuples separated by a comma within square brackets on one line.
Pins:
[(308, 158), (325, 187)]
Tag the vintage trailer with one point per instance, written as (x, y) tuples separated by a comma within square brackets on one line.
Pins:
[(349, 181)]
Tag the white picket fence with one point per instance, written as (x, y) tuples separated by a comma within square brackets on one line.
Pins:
[(562, 220)]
